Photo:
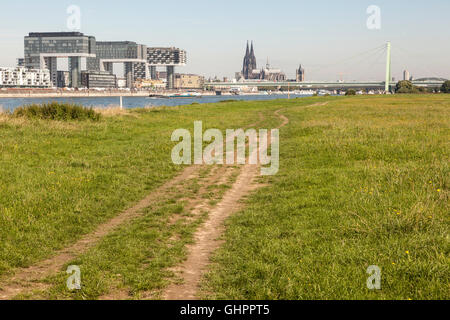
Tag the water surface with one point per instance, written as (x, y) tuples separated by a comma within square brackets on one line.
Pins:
[(135, 102)]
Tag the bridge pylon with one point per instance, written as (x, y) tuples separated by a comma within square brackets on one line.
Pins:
[(388, 68)]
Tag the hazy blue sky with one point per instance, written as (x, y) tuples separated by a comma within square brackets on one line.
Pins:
[(288, 32)]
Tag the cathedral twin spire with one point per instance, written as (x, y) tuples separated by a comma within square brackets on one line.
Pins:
[(249, 62)]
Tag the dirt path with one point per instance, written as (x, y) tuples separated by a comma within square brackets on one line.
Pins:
[(30, 279), (207, 237), (195, 204)]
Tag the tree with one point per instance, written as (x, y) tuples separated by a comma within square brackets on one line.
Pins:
[(350, 92), (446, 87), (406, 86)]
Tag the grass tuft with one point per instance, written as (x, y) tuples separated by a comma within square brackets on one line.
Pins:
[(57, 111)]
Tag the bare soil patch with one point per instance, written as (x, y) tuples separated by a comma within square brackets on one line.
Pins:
[(207, 238)]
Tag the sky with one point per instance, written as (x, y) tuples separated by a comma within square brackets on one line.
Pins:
[(329, 38)]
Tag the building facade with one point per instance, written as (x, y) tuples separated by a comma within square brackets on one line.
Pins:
[(20, 62), (23, 77), (169, 58), (127, 53), (141, 71), (63, 79), (150, 84), (269, 74), (189, 81), (166, 56), (98, 79)]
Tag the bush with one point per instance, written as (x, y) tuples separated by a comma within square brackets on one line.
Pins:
[(424, 90), (57, 111), (406, 86), (446, 87), (350, 92), (406, 90)]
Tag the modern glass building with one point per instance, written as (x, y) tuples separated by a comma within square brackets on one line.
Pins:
[(98, 79), (120, 50), (42, 49), (127, 52)]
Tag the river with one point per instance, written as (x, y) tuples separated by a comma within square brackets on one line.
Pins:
[(9, 104)]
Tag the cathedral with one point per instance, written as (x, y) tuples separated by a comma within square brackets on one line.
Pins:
[(250, 71)]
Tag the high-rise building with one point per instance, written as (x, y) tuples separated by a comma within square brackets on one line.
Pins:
[(406, 75), (127, 52), (300, 74), (42, 49)]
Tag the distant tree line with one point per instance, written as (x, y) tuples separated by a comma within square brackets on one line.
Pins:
[(406, 86)]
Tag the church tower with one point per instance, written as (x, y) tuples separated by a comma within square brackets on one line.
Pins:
[(252, 58), (300, 74), (245, 68), (249, 62)]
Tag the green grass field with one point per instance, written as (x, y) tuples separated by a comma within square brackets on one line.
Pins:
[(363, 181)]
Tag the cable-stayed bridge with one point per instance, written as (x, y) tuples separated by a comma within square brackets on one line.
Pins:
[(375, 59), (336, 85)]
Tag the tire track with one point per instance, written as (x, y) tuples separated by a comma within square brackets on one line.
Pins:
[(207, 237), (30, 279), (27, 279)]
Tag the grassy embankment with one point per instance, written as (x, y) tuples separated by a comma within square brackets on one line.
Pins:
[(60, 179), (363, 181)]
